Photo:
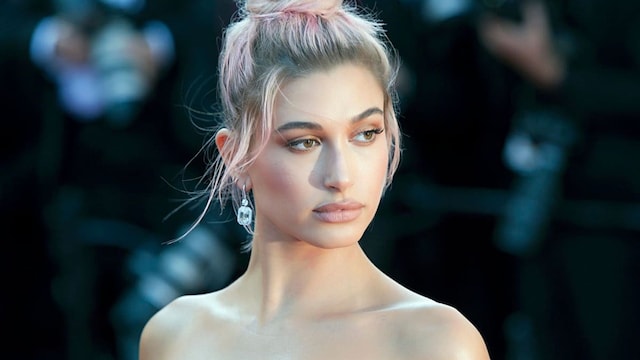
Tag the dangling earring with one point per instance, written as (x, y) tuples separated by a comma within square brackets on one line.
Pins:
[(245, 213)]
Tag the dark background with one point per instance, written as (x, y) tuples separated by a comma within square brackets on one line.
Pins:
[(546, 264)]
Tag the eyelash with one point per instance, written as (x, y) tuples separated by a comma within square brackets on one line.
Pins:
[(373, 133)]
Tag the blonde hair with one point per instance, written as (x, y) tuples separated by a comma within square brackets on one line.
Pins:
[(270, 42)]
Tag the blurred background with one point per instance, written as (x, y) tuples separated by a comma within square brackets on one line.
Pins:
[(517, 200)]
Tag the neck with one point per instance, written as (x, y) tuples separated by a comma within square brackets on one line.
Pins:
[(299, 280)]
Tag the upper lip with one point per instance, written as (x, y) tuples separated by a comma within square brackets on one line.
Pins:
[(339, 206)]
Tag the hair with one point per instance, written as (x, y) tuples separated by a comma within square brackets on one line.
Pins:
[(270, 42)]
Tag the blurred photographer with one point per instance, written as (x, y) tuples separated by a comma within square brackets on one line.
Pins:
[(580, 279)]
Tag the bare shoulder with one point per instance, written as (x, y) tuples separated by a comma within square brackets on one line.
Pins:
[(432, 330), (166, 330)]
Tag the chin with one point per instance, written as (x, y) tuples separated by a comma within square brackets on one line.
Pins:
[(334, 239)]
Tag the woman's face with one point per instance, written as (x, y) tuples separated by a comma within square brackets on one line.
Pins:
[(321, 176)]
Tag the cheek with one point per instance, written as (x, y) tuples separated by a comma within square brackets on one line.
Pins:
[(381, 174), (379, 165), (274, 178)]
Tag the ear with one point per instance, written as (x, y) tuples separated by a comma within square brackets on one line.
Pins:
[(221, 139), (222, 136)]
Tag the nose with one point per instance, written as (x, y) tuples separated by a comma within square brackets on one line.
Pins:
[(338, 169)]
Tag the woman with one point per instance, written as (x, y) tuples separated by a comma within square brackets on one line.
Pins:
[(310, 130)]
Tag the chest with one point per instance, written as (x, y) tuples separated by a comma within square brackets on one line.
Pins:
[(321, 341)]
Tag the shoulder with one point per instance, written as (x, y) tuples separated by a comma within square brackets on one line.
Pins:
[(422, 328), (429, 329), (164, 331)]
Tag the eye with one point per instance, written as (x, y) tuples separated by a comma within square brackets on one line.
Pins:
[(368, 136), (303, 144)]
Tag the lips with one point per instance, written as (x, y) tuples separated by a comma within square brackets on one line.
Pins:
[(339, 212)]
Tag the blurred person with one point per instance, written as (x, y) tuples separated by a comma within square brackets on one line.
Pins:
[(310, 135), (580, 274), (108, 69), (84, 156)]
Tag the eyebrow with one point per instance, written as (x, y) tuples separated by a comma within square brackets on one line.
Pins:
[(309, 125)]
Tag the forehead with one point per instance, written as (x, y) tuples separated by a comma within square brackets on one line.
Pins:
[(338, 93)]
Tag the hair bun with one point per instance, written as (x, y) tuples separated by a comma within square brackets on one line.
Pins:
[(315, 7)]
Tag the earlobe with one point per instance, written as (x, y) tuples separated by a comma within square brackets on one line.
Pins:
[(245, 182)]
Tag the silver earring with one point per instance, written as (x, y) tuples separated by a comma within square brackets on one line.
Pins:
[(245, 213)]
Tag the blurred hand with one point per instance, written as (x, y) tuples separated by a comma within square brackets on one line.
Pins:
[(527, 46)]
